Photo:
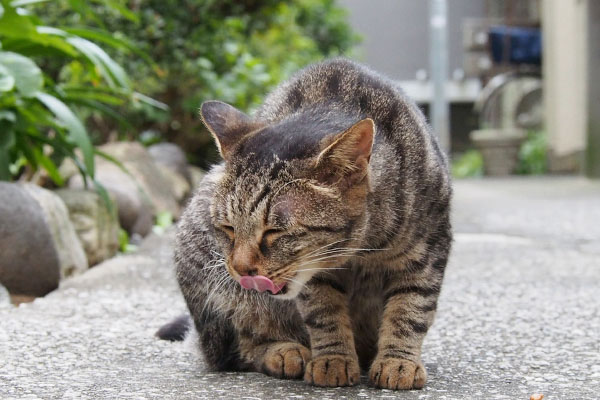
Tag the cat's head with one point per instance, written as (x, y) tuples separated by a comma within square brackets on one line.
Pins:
[(292, 199)]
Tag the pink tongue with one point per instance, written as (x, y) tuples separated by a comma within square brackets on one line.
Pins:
[(260, 283)]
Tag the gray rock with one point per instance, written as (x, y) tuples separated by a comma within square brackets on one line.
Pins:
[(25, 244), (140, 194), (171, 156), (135, 210), (97, 227), (71, 256), (179, 185), (37, 241), (141, 165), (4, 297)]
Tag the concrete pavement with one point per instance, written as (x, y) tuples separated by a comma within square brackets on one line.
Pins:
[(519, 314)]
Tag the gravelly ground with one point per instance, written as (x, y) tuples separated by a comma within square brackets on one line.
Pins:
[(519, 314)]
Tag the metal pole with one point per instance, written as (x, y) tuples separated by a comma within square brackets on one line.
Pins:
[(438, 64)]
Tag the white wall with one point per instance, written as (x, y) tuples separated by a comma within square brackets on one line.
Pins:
[(396, 33), (565, 77)]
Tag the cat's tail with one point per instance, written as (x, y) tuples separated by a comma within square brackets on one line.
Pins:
[(176, 330)]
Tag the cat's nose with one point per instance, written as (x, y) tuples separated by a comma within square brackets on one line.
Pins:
[(244, 261), (246, 270)]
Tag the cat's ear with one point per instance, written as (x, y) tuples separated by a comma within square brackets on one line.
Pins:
[(349, 154), (227, 124)]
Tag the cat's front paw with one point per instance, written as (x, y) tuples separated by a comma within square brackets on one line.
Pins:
[(396, 373), (286, 360), (333, 371)]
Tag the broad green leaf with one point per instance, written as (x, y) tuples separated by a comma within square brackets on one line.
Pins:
[(13, 24), (27, 75), (95, 105), (117, 6), (21, 3), (19, 32), (150, 101), (24, 147), (111, 97), (105, 37), (50, 30), (5, 174), (7, 82), (112, 72), (33, 117), (101, 190), (6, 115), (28, 47), (7, 141), (49, 166), (109, 68), (77, 131), (81, 168)]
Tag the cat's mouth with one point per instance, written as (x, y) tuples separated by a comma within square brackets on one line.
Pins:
[(282, 292), (261, 283)]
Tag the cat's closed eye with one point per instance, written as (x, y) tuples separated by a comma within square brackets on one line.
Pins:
[(228, 230), (269, 236)]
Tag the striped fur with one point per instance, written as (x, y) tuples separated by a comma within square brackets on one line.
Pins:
[(360, 235)]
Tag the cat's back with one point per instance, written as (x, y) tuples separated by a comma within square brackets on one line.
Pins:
[(403, 139), (346, 86), (409, 172)]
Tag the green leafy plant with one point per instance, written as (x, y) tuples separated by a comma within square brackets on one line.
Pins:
[(40, 111), (230, 50), (164, 220), (124, 245), (533, 154), (469, 164)]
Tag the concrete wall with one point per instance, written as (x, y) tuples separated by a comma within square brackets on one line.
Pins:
[(564, 26), (396, 33), (593, 107)]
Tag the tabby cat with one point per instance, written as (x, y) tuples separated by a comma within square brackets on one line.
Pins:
[(318, 247)]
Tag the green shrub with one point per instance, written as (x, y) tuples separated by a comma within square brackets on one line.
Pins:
[(40, 109), (532, 154), (230, 50), (468, 165), (532, 158)]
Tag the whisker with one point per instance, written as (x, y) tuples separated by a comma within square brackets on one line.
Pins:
[(327, 245), (327, 256), (318, 269), (340, 250), (282, 272), (221, 282), (295, 281)]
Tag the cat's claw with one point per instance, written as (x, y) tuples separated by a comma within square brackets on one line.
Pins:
[(394, 373), (286, 360), (333, 371)]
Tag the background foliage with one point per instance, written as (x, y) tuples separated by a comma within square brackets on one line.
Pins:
[(40, 107), (234, 51), (532, 158)]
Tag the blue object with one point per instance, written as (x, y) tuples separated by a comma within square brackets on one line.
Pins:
[(525, 45)]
